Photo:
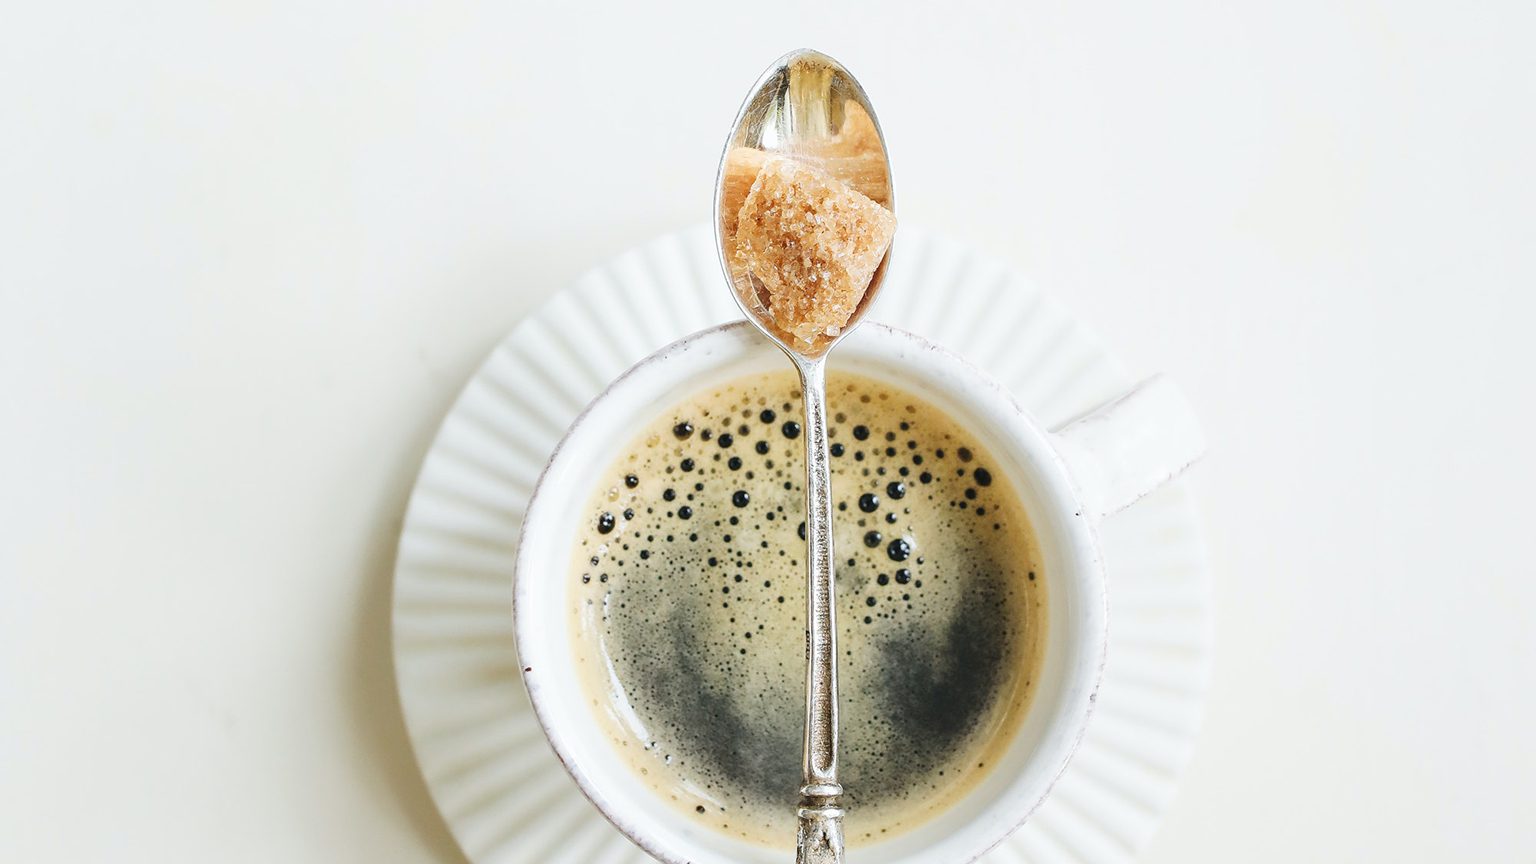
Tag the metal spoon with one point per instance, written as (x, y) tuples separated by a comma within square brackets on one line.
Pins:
[(799, 107)]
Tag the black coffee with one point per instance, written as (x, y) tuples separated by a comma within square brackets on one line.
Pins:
[(691, 606)]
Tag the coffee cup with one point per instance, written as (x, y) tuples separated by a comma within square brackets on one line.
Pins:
[(1068, 480)]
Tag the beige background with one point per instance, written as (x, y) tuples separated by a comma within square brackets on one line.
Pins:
[(248, 252)]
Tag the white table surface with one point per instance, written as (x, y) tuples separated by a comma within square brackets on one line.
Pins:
[(248, 252)]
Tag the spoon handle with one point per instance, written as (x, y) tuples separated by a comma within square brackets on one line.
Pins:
[(820, 838)]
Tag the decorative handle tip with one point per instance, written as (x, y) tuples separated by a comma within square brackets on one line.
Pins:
[(820, 839)]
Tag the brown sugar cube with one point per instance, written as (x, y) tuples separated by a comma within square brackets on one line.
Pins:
[(865, 172), (855, 136), (813, 244), (854, 155), (740, 172), (858, 134)]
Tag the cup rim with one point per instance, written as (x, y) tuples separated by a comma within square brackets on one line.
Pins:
[(1082, 530)]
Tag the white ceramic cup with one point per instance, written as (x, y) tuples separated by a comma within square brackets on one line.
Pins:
[(1069, 479)]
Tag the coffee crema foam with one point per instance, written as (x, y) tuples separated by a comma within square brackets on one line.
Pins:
[(690, 606)]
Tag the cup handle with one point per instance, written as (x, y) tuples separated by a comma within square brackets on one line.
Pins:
[(1131, 445)]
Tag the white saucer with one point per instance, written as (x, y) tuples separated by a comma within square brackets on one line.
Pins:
[(495, 780)]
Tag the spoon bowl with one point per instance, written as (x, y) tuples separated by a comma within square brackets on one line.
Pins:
[(806, 107)]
